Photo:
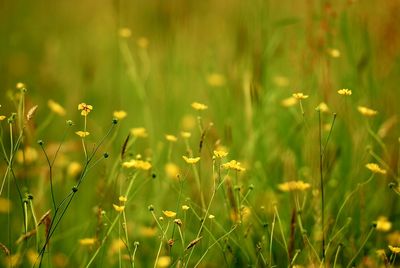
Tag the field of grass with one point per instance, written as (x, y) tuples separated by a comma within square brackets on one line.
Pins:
[(207, 133)]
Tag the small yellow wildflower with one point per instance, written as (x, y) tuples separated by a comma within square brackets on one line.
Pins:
[(395, 250), (139, 132), (2, 117), (142, 42), (123, 199), (334, 53), (199, 106), (171, 170), (375, 168), (120, 114), (56, 107), (169, 214), (234, 165), (216, 80), (118, 208), (294, 186), (125, 32), (220, 153), (366, 111), (74, 168), (171, 138), (20, 85), (191, 160), (87, 241), (82, 134), (185, 207), (288, 102), (300, 96), (138, 164), (323, 107), (211, 216), (85, 108), (345, 91), (163, 261), (186, 135), (382, 224)]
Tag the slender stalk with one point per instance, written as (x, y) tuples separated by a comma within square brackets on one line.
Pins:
[(321, 154)]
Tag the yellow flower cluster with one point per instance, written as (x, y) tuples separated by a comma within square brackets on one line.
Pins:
[(220, 153), (375, 168), (191, 160), (171, 138), (199, 106), (138, 164), (291, 186), (383, 225), (234, 165), (85, 108), (300, 96), (82, 134), (169, 214), (345, 91)]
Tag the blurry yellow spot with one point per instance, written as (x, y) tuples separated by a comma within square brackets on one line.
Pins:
[(142, 42), (300, 96), (82, 134), (216, 80), (32, 256), (394, 238), (5, 205), (87, 241), (85, 108), (395, 250), (13, 260), (291, 101), (139, 132), (375, 168), (171, 170), (74, 168), (120, 114), (138, 164), (186, 135), (220, 153), (382, 224), (125, 32), (56, 108), (294, 186), (323, 107), (280, 81), (191, 160), (188, 122), (169, 214), (185, 207), (345, 91), (381, 253), (234, 165), (366, 111), (245, 213), (164, 261), (118, 208), (334, 53), (116, 245), (122, 198), (60, 260), (211, 216), (2, 117), (199, 106), (20, 85), (171, 138), (148, 231), (29, 155)]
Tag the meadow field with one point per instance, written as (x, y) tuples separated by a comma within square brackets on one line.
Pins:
[(188, 133)]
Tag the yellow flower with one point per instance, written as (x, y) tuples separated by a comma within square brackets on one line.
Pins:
[(82, 134), (345, 91), (142, 42), (216, 80), (138, 164), (199, 106), (169, 214), (191, 160), (211, 216), (186, 135), (118, 208), (323, 107), (334, 53), (2, 117), (220, 153), (139, 132), (366, 111), (395, 250), (74, 168), (288, 102), (120, 114), (125, 32), (234, 165), (382, 224), (56, 107), (87, 241), (299, 96), (163, 261), (171, 170), (375, 168), (294, 186), (185, 207), (171, 138), (20, 85), (86, 108), (122, 198)]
